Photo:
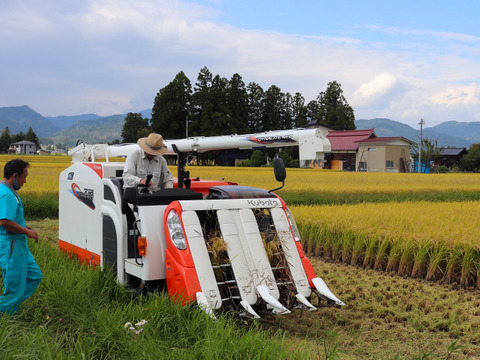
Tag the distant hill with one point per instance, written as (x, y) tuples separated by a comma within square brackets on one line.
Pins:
[(20, 118), (62, 121), (467, 130), (95, 129), (101, 130), (387, 127)]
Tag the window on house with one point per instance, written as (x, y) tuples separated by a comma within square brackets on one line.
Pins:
[(389, 164), (362, 166), (372, 149)]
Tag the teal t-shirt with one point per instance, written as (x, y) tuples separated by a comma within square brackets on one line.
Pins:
[(11, 208)]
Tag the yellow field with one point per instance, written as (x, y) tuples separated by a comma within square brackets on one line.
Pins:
[(44, 168), (432, 239), (452, 223)]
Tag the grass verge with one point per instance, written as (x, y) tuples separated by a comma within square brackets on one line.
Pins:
[(80, 313)]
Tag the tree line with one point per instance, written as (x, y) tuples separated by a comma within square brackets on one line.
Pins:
[(215, 105), (8, 138)]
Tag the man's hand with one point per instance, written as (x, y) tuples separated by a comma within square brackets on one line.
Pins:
[(32, 234)]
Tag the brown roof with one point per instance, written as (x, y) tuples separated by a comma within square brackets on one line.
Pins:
[(384, 139), (348, 139)]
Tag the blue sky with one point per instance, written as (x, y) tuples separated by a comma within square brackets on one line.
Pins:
[(403, 60)]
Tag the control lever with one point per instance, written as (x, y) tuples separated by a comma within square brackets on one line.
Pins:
[(147, 183)]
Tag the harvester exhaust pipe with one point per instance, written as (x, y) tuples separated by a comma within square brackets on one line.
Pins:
[(323, 289)]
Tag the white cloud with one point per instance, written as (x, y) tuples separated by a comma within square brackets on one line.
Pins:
[(459, 96), (371, 92)]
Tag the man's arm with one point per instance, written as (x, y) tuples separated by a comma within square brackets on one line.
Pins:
[(13, 227), (129, 172), (166, 178)]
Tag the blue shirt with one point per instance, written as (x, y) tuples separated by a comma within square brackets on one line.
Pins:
[(11, 208)]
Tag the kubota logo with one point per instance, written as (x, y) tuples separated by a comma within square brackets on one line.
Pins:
[(270, 139), (85, 196)]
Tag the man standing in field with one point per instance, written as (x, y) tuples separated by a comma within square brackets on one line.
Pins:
[(21, 274)]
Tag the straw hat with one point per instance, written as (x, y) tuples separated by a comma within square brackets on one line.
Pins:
[(153, 144)]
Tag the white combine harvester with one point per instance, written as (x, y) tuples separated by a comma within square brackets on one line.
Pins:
[(225, 246)]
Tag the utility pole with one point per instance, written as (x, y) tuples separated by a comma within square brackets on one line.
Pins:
[(420, 147), (186, 126)]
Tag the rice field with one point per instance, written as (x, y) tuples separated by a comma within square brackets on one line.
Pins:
[(420, 225), (435, 241)]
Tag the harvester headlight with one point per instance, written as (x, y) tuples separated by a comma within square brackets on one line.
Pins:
[(293, 224), (176, 231)]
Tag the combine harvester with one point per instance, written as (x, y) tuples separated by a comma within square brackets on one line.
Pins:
[(228, 247)]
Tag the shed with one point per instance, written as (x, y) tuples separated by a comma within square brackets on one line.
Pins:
[(450, 157)]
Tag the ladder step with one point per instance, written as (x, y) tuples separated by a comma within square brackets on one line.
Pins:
[(220, 266), (226, 282)]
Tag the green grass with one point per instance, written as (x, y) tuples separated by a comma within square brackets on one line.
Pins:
[(80, 313), (42, 206), (356, 197)]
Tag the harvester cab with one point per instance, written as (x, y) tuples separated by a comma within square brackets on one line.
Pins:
[(225, 246)]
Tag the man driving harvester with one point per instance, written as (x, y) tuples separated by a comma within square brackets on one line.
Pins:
[(148, 160)]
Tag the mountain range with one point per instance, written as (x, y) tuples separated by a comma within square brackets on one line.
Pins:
[(93, 128)]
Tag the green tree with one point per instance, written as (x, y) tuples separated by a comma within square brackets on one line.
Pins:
[(237, 104), (31, 136), (255, 98), (257, 159), (430, 152), (5, 140), (171, 108), (18, 137), (134, 127), (334, 111), (471, 160), (211, 112), (313, 109), (299, 111), (273, 109)]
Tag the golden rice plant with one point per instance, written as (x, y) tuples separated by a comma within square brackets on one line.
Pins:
[(435, 240)]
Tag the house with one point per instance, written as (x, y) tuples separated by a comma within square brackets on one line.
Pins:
[(384, 154), (343, 155), (22, 147), (450, 157)]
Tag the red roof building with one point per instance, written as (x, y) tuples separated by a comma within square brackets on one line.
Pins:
[(347, 140)]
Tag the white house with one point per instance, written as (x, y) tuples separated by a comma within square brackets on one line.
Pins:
[(22, 147)]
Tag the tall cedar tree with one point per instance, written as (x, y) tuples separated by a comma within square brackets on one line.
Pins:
[(334, 111), (237, 105), (255, 98), (32, 137), (171, 108), (134, 127), (5, 140)]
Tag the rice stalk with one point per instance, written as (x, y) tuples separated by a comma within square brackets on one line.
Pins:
[(468, 272), (393, 259), (437, 261), (420, 260), (406, 259), (453, 264), (359, 249), (370, 252), (382, 254)]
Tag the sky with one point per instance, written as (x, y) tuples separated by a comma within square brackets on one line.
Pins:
[(402, 60)]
